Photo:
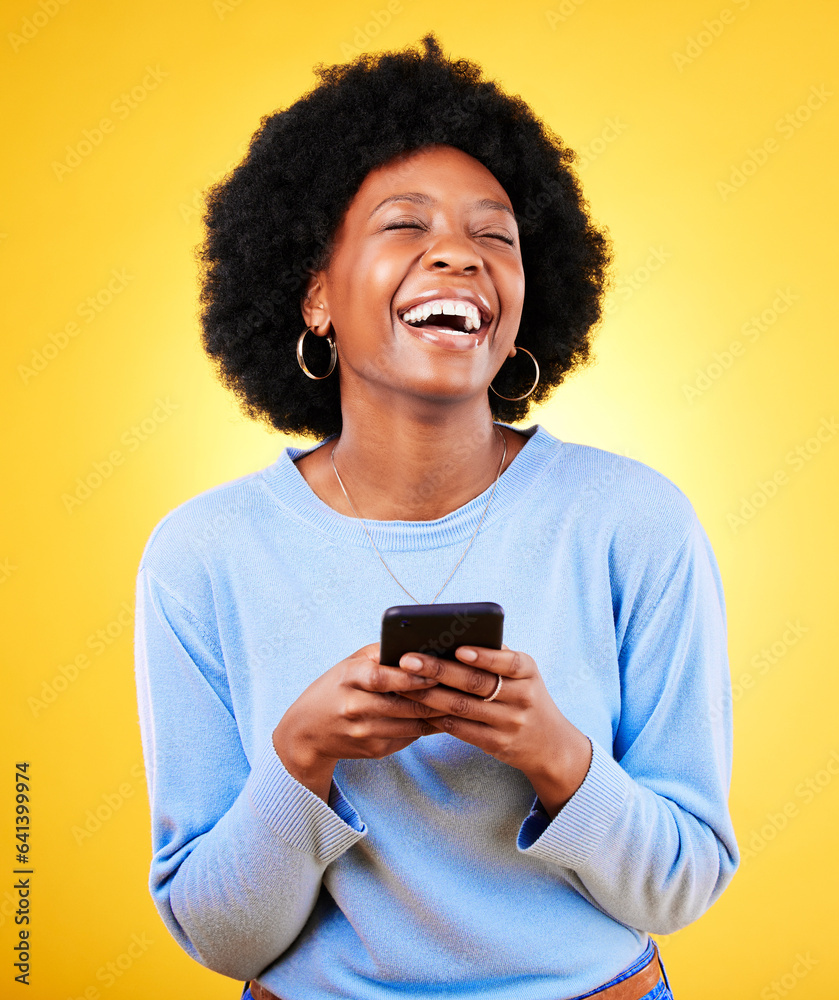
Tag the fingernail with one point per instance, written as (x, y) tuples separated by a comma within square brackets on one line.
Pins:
[(411, 662), (468, 654)]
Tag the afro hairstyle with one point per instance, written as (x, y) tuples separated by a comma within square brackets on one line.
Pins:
[(269, 225)]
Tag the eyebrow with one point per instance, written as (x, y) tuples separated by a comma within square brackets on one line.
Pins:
[(424, 199)]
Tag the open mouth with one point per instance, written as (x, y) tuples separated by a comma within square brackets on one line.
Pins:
[(447, 316)]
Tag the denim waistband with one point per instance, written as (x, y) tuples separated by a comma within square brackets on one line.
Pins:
[(639, 963)]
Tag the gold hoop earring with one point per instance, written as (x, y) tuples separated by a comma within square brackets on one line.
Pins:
[(514, 398), (332, 349)]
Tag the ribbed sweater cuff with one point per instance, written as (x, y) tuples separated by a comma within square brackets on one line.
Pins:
[(298, 816), (579, 827)]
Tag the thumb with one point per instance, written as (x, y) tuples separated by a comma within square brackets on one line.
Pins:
[(373, 651)]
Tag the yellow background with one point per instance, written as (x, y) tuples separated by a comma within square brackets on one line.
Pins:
[(664, 121)]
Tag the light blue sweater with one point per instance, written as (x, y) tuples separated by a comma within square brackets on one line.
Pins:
[(434, 872)]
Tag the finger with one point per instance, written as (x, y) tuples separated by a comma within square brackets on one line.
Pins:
[(404, 706), (479, 734), (371, 651), (381, 677), (447, 701), (506, 662), (391, 729), (361, 712), (371, 676), (451, 673)]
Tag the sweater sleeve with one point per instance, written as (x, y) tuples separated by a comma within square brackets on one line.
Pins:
[(238, 851), (647, 836)]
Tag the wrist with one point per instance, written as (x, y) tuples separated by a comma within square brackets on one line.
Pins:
[(304, 765), (560, 775)]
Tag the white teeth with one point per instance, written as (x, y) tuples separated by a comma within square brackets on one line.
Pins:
[(448, 307)]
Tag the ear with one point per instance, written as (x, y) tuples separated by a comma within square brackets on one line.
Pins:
[(314, 306)]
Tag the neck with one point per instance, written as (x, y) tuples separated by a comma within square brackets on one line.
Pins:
[(417, 470)]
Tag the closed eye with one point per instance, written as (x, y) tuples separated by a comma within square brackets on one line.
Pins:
[(415, 225), (501, 236)]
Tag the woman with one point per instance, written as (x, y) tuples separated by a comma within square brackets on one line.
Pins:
[(510, 824)]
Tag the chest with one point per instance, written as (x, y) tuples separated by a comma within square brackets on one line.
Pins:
[(297, 623)]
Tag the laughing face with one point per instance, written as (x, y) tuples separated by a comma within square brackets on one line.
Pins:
[(425, 286)]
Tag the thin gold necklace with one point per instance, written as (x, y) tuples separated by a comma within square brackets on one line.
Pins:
[(472, 539)]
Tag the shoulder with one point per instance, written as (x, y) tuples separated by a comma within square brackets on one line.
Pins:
[(635, 522), (608, 489), (620, 514), (213, 521)]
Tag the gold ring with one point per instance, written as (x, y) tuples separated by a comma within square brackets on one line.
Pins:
[(494, 694)]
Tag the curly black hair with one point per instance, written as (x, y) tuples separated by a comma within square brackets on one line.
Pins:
[(270, 223)]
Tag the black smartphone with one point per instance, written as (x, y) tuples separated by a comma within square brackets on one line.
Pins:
[(438, 629)]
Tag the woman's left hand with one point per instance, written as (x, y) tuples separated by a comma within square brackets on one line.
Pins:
[(522, 726)]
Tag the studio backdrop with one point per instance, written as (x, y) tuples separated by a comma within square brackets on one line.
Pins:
[(706, 140)]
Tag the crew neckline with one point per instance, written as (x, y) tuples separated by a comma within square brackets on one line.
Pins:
[(291, 491)]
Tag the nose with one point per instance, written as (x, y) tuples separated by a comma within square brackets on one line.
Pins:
[(449, 253)]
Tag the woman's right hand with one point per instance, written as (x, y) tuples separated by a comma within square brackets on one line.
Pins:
[(354, 710)]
